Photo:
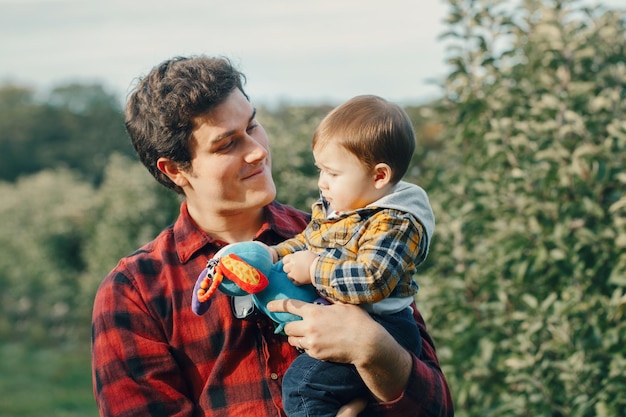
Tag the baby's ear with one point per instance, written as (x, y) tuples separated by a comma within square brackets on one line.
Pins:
[(382, 175)]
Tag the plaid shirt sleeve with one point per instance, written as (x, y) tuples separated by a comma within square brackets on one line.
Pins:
[(369, 261), (292, 245), (134, 368)]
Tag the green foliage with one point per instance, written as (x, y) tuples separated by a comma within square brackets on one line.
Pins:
[(75, 126), (130, 209), (60, 237), (526, 296), (53, 382), (290, 130), (43, 218)]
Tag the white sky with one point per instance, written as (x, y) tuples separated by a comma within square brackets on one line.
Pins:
[(290, 50)]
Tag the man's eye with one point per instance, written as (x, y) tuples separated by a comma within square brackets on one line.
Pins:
[(252, 127), (226, 145)]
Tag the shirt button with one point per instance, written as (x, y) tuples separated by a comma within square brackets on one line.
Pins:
[(274, 376), (315, 226)]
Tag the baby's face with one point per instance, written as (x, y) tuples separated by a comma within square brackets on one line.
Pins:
[(345, 182)]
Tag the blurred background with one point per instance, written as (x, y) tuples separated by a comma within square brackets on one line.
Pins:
[(294, 52), (519, 109)]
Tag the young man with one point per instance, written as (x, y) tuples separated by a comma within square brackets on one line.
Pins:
[(195, 130)]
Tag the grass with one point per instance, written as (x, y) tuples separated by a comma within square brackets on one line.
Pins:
[(47, 381)]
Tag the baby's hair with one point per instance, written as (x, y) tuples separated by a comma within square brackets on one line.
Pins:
[(373, 129)]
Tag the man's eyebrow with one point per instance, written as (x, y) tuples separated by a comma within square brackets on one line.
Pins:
[(232, 132)]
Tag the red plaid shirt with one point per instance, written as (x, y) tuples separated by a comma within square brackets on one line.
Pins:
[(152, 356)]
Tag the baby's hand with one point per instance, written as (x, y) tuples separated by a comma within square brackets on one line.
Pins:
[(298, 266)]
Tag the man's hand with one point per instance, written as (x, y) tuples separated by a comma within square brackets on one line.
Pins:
[(347, 334)]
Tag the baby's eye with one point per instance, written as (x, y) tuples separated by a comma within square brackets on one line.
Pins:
[(326, 173)]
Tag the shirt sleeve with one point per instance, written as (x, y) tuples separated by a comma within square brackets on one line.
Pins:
[(427, 393), (292, 245), (385, 255), (133, 370)]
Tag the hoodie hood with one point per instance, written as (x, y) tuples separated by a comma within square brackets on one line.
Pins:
[(412, 199)]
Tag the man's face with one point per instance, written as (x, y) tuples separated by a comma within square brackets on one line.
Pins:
[(231, 165)]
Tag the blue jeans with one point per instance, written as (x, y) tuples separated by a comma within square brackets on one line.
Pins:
[(313, 388)]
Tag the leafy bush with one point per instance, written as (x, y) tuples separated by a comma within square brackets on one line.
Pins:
[(526, 294), (60, 237), (290, 130), (75, 126), (43, 219)]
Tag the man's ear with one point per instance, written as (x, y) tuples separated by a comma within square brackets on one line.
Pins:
[(172, 171), (382, 175)]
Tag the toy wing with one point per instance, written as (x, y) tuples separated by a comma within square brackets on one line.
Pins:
[(229, 273), (247, 277)]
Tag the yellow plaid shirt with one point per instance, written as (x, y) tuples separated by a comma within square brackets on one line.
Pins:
[(364, 256)]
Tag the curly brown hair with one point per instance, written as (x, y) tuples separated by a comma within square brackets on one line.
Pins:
[(160, 110)]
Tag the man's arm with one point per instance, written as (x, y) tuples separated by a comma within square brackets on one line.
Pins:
[(427, 392), (403, 384), (132, 368)]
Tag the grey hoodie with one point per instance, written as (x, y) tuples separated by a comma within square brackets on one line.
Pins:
[(412, 199)]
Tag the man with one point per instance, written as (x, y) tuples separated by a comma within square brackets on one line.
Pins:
[(194, 128)]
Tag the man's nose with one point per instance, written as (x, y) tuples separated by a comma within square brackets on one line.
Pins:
[(255, 150)]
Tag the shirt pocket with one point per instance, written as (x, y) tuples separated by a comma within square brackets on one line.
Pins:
[(342, 236)]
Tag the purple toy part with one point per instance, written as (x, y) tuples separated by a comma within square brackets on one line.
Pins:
[(198, 307)]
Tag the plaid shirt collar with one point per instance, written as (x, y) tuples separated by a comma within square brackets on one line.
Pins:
[(190, 238)]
